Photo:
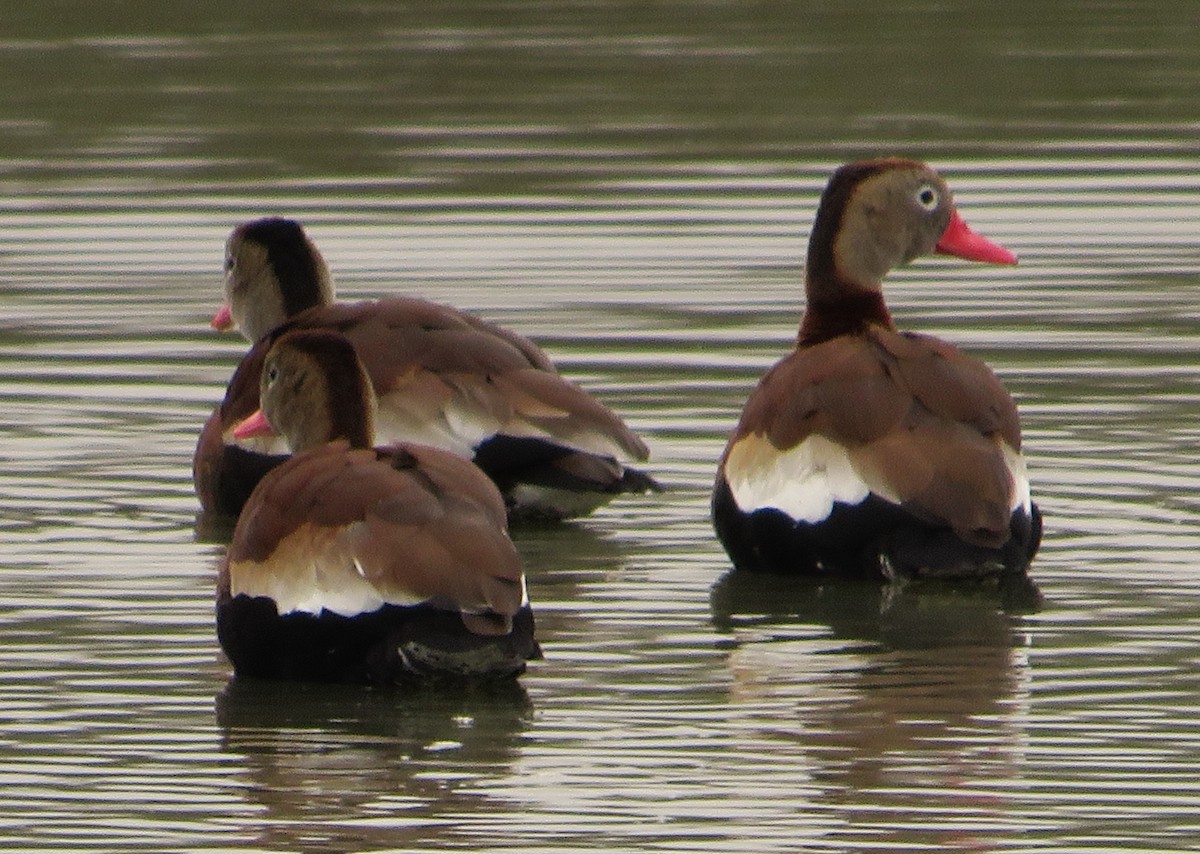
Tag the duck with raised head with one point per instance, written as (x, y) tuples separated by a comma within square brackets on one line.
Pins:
[(444, 378), (356, 563), (867, 451)]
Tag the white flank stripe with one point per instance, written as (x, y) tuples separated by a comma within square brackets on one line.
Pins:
[(309, 585), (802, 482), (315, 569), (336, 591), (392, 427), (1016, 467)]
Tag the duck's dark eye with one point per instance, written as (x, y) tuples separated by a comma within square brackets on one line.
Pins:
[(228, 263), (927, 197), (272, 373)]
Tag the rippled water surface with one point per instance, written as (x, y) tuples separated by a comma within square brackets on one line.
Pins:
[(631, 186)]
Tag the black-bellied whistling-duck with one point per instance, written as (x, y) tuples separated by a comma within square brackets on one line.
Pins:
[(868, 451), (356, 563), (443, 377)]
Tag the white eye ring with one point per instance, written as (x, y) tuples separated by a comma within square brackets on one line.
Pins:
[(927, 197)]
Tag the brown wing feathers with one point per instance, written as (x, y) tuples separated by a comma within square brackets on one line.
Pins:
[(423, 530), (839, 389), (920, 421), (954, 385), (436, 359), (441, 537)]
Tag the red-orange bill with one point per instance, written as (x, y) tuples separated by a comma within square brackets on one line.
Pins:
[(223, 319), (960, 241), (255, 425)]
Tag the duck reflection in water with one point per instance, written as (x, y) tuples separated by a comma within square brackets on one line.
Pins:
[(903, 703), (349, 769)]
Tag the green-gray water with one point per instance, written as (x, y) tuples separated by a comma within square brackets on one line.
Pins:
[(630, 184)]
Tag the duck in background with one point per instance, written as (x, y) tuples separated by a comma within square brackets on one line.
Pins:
[(363, 564), (867, 451), (443, 378)]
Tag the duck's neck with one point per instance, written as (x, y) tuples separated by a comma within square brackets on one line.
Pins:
[(303, 282), (353, 425), (844, 291), (335, 423), (347, 411), (844, 310), (352, 407)]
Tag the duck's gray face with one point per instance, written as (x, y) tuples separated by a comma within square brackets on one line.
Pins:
[(252, 289), (891, 218), (294, 399), (313, 389)]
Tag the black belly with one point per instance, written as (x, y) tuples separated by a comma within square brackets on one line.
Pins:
[(872, 539), (239, 472), (392, 644)]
